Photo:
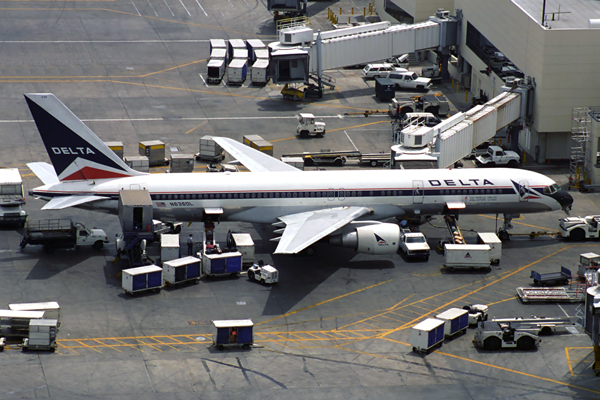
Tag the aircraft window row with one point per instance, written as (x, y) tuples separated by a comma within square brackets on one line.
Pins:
[(470, 191), (329, 194)]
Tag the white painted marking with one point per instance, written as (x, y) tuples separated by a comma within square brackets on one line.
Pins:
[(205, 84), (202, 8), (249, 6), (155, 13), (230, 3), (136, 10), (171, 11), (186, 10), (563, 310), (351, 142), (7, 121)]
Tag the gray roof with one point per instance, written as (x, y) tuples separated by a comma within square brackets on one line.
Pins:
[(579, 12)]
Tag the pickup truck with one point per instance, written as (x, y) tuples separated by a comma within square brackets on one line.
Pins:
[(409, 80), (61, 234), (497, 156), (414, 244)]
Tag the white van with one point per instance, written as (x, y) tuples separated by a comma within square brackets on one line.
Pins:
[(372, 71)]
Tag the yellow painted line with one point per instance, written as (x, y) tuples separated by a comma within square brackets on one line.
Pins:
[(196, 127), (519, 372), (358, 126), (279, 140), (502, 301), (387, 310), (408, 324), (568, 355), (520, 223)]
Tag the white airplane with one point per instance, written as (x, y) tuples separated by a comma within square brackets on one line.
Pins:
[(346, 206)]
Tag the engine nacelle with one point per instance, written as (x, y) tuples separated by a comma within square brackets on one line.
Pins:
[(376, 238)]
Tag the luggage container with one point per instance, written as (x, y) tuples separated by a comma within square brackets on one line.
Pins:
[(235, 44), (297, 162), (258, 143), (221, 264), (243, 243), (237, 71), (51, 309), (218, 54), (139, 279), (253, 45), (241, 54), (492, 240), (261, 54), (139, 163), (181, 270), (385, 89), (169, 247), (42, 335), (218, 44), (216, 70), (260, 71), (234, 332), (209, 150), (466, 256), (456, 320), (426, 335), (181, 162), (14, 325), (116, 147), (154, 150)]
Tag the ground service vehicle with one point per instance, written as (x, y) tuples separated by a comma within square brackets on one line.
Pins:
[(263, 273), (477, 312), (497, 156), (579, 228), (61, 234), (290, 92), (372, 71), (553, 278), (11, 197), (409, 80), (496, 335), (414, 244), (429, 103), (308, 127)]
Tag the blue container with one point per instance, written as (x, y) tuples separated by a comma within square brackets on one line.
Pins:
[(154, 279), (456, 320), (139, 282), (234, 264), (233, 332), (193, 270)]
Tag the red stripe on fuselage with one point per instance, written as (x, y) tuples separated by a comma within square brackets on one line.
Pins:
[(87, 173)]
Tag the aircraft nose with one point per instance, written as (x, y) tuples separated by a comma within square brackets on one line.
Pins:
[(565, 199)]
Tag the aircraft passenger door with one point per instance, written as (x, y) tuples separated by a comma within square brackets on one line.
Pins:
[(417, 192), (523, 190)]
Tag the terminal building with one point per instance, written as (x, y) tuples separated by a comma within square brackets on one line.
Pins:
[(501, 40)]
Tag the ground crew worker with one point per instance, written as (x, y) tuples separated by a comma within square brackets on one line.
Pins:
[(190, 243)]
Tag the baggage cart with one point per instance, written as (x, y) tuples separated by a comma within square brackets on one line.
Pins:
[(458, 256), (221, 264), (182, 162), (260, 71), (169, 247), (215, 70), (42, 335), (385, 89), (218, 44), (235, 332), (139, 163), (155, 151), (218, 54), (51, 309), (14, 325), (550, 295), (139, 279), (426, 335), (258, 143), (181, 270), (553, 278), (235, 44), (456, 321), (254, 45)]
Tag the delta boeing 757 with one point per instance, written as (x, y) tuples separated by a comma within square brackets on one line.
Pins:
[(305, 206)]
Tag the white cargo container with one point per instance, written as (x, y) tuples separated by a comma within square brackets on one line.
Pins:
[(11, 197), (456, 320), (215, 70), (209, 150), (181, 270), (218, 54), (236, 44), (492, 240), (261, 54), (42, 335), (51, 309), (297, 162), (241, 54), (237, 70), (169, 247), (427, 334), (138, 279), (139, 163), (243, 243), (218, 44), (181, 162), (254, 45), (260, 71), (466, 256)]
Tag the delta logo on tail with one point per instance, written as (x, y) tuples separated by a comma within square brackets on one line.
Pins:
[(525, 193), (75, 151), (380, 241)]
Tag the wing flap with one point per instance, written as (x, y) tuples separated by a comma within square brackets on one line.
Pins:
[(306, 228), (58, 203), (252, 159)]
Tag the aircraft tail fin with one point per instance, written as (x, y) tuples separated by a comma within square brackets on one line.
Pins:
[(75, 151)]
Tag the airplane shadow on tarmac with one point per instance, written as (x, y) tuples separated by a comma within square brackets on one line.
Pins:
[(50, 264)]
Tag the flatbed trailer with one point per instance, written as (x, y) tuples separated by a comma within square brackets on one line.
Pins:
[(550, 295), (553, 278), (374, 159), (337, 158)]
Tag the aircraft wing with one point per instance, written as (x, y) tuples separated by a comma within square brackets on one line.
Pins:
[(252, 159), (58, 203), (303, 229)]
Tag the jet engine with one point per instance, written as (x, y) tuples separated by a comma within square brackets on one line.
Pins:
[(372, 238)]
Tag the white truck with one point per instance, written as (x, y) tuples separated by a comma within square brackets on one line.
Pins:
[(11, 197), (263, 273), (307, 126), (496, 335), (497, 156), (61, 234), (580, 228), (409, 80), (414, 244)]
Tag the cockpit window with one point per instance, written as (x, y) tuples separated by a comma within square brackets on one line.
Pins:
[(550, 190)]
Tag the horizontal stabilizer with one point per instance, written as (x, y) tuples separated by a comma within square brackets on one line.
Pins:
[(44, 171), (58, 203)]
